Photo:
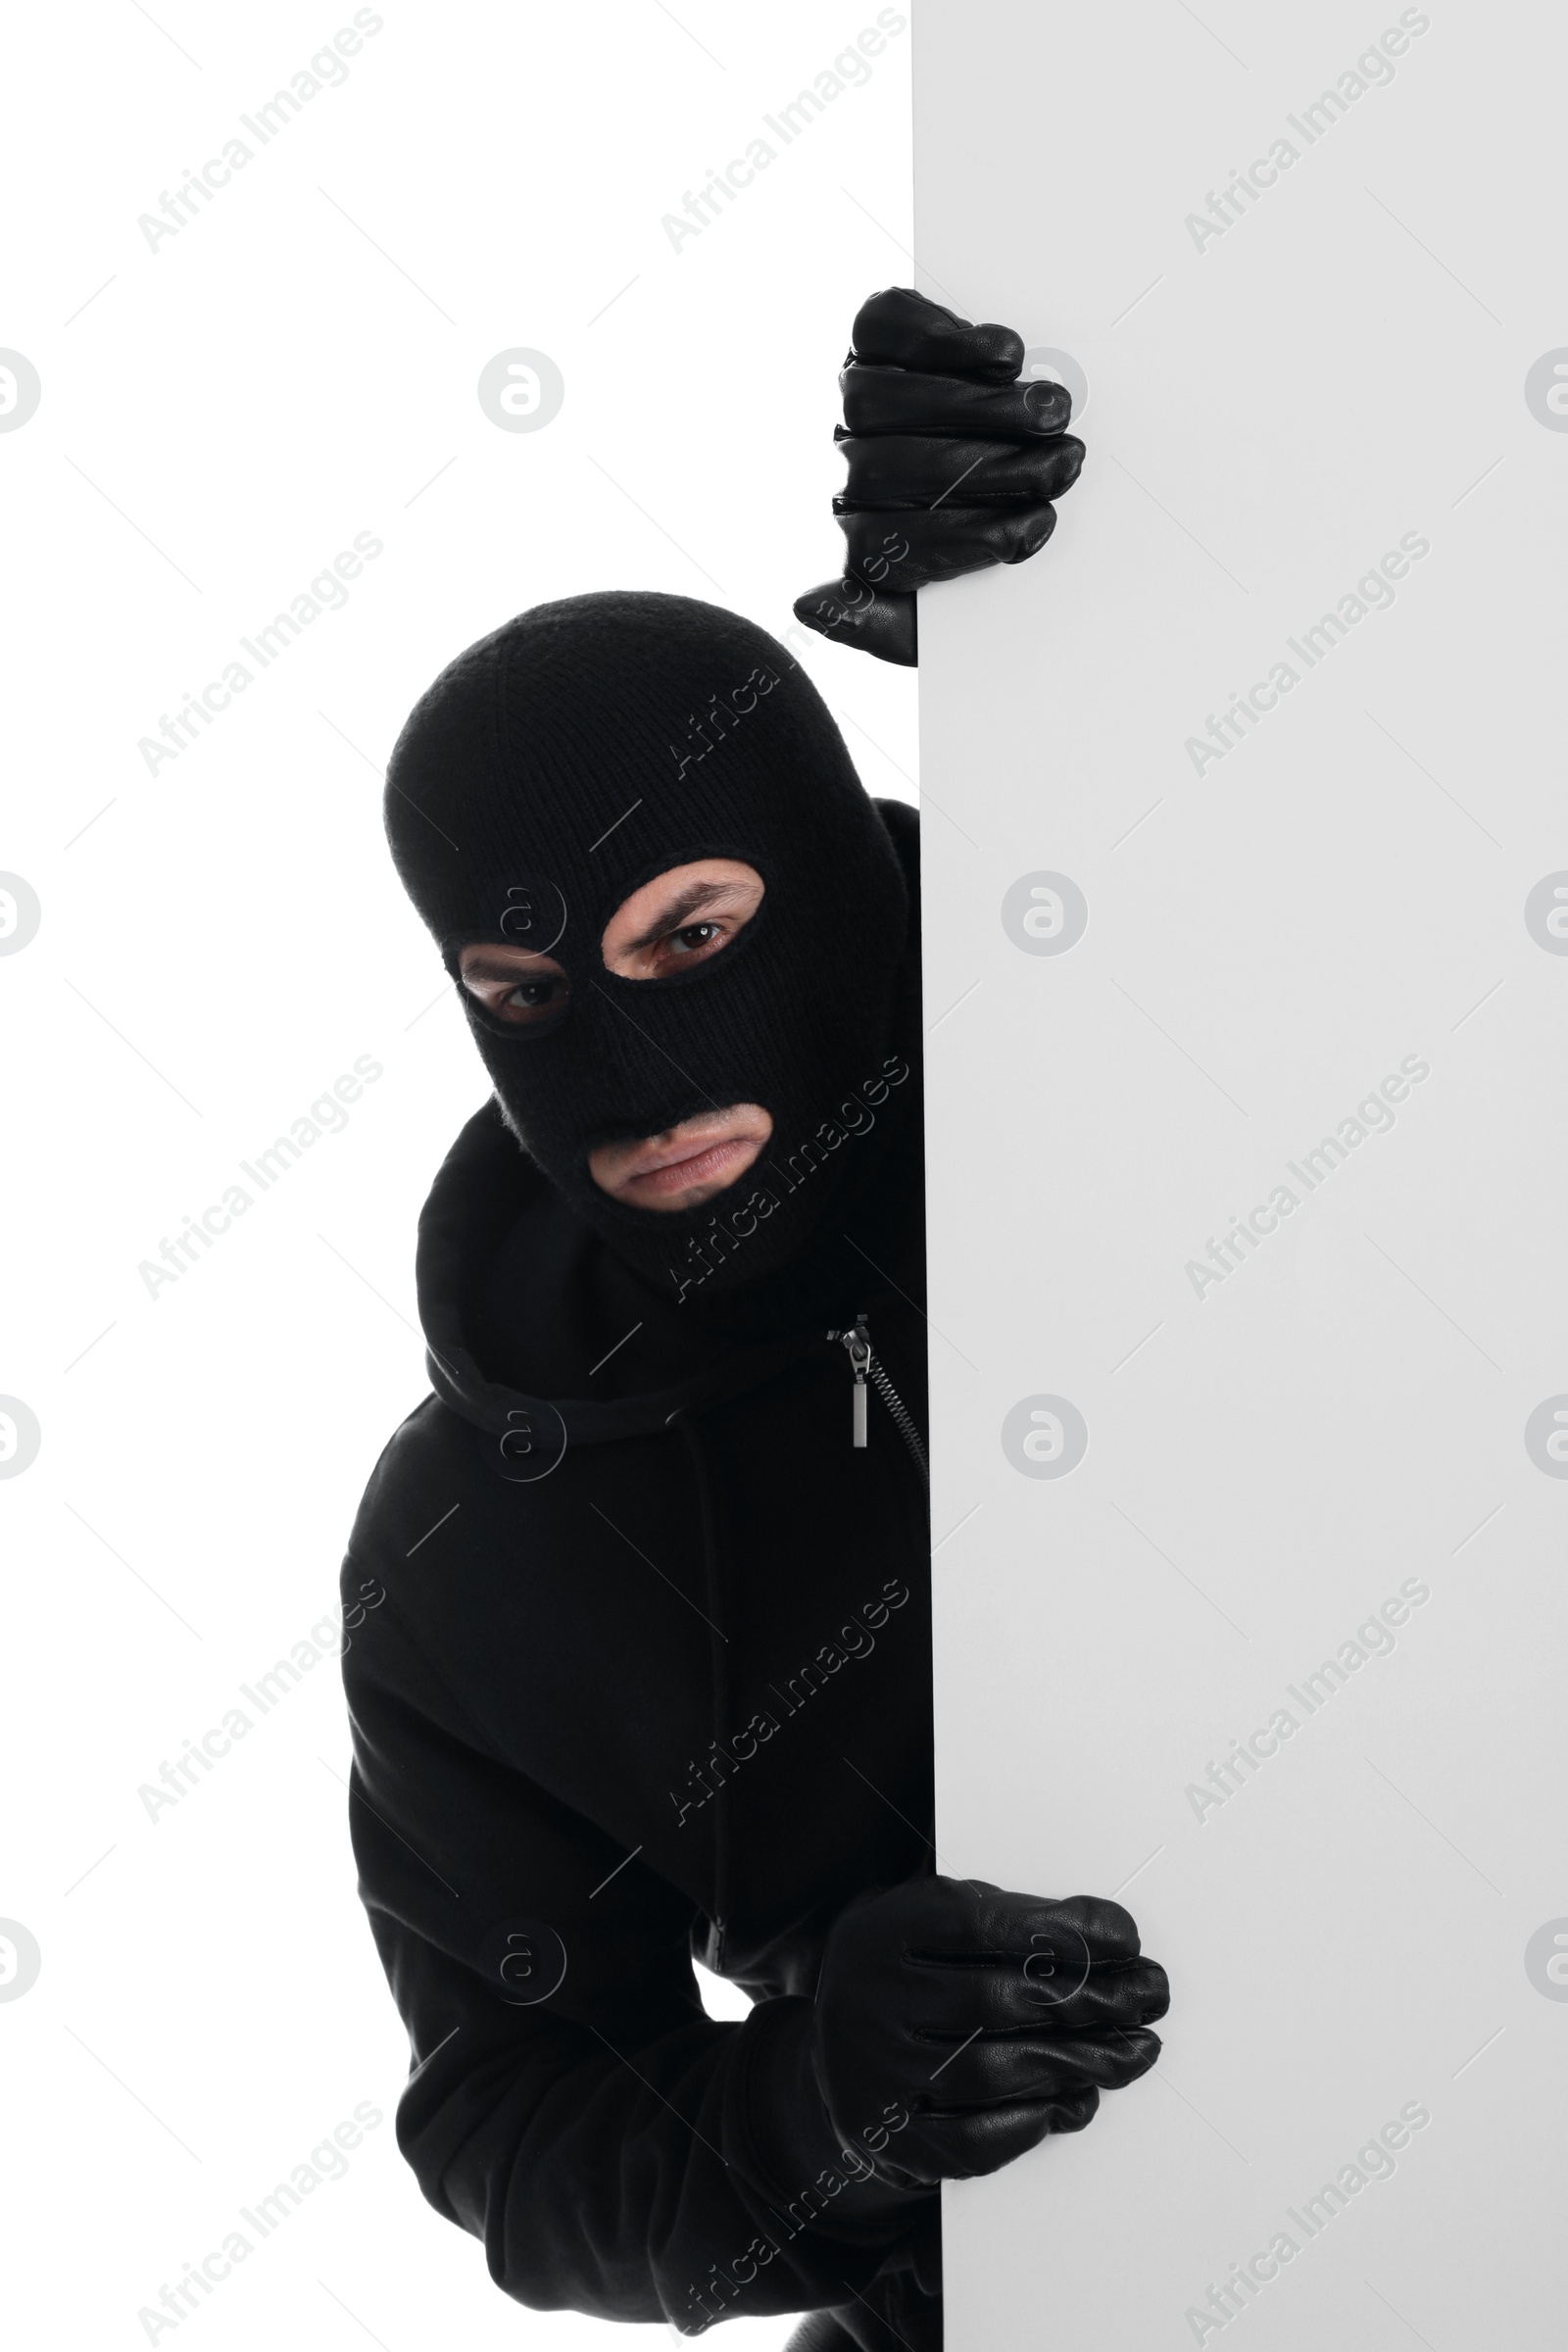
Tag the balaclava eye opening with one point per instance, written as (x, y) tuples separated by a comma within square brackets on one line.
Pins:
[(581, 750)]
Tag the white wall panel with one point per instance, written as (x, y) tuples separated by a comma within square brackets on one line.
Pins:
[(1333, 402)]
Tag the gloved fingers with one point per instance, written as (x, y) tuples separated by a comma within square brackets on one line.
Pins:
[(1114, 1993), (905, 549), (955, 2148), (969, 1920), (892, 400), (1109, 2060), (921, 469), (994, 2069), (983, 2080), (900, 329), (1109, 1930), (1072, 2110), (871, 620), (916, 372), (1058, 1990), (986, 1958)]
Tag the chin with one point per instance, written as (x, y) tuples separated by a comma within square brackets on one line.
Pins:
[(696, 1198)]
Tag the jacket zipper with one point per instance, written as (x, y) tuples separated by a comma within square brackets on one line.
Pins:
[(866, 1365)]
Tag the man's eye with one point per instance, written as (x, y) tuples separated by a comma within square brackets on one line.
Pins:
[(695, 936), (530, 1000), (691, 943)]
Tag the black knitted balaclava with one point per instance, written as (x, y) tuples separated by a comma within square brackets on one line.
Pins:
[(575, 753)]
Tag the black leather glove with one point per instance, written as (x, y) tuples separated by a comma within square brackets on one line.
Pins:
[(991, 2019), (953, 466)]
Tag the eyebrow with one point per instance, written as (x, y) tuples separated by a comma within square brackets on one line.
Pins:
[(689, 901), (489, 966)]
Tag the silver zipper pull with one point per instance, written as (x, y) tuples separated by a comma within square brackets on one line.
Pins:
[(858, 1344)]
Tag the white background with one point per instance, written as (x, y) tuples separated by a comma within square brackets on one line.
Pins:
[(1272, 1457), (220, 940)]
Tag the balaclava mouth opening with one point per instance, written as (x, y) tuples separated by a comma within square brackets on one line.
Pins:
[(581, 750)]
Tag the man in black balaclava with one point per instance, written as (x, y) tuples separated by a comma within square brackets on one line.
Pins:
[(640, 1659), (564, 764)]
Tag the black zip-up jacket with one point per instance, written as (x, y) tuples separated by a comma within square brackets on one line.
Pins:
[(639, 1669)]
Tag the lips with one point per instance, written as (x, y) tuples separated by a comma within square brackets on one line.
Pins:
[(700, 1152), (718, 1161)]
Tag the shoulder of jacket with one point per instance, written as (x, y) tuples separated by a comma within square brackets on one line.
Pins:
[(421, 1456)]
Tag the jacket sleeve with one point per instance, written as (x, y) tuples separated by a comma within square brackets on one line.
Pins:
[(569, 2101)]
